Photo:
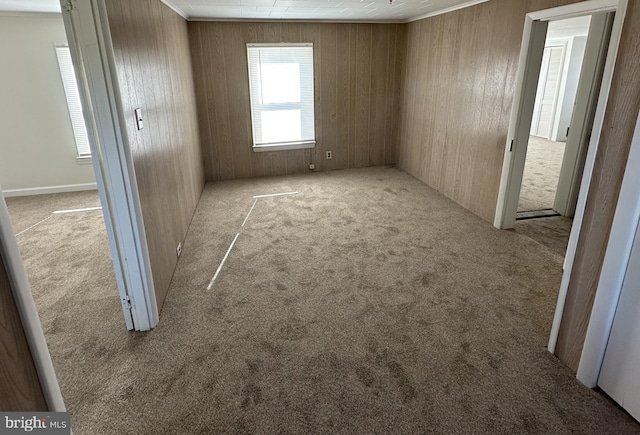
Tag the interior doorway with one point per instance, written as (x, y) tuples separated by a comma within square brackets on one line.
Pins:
[(611, 16), (562, 68), (557, 88)]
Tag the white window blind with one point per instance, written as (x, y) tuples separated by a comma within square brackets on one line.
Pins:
[(282, 100), (73, 101)]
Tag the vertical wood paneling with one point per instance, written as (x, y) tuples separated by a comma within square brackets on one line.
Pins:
[(358, 71), (328, 99), (458, 83), (380, 63), (457, 94), (153, 63), (615, 143), (19, 382), (363, 94), (353, 67), (343, 86)]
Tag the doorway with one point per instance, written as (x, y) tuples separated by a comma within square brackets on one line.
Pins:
[(560, 70), (542, 213), (533, 42)]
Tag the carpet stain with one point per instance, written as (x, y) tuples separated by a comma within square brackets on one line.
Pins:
[(426, 279), (291, 328), (365, 376), (396, 370), (271, 348), (251, 395)]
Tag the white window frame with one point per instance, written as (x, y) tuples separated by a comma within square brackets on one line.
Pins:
[(74, 104), (257, 108)]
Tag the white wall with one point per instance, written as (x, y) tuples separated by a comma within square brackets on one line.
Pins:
[(569, 86), (37, 149)]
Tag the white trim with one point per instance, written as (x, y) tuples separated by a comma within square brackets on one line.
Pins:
[(446, 10), (619, 247), (50, 189), (293, 21), (84, 160), (92, 51), (174, 8), (284, 146), (576, 10), (280, 44), (533, 41), (596, 132), (28, 312)]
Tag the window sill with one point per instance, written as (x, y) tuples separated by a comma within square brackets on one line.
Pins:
[(284, 146), (84, 160)]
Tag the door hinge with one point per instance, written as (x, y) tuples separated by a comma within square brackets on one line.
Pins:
[(69, 5), (568, 128), (126, 303), (511, 146)]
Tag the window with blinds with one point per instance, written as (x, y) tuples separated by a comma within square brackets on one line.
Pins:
[(73, 101), (282, 99)]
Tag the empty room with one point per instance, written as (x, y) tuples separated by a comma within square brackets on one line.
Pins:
[(310, 215)]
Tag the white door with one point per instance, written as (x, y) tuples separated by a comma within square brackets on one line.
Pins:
[(547, 94), (620, 373)]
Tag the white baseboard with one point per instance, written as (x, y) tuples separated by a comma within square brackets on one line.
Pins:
[(50, 189)]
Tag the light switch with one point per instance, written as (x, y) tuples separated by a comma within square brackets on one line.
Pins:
[(139, 118)]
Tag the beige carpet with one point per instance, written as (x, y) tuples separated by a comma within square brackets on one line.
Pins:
[(552, 232), (541, 174), (366, 303)]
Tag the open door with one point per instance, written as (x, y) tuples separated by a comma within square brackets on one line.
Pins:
[(583, 114), (548, 88), (92, 53), (620, 374), (20, 323)]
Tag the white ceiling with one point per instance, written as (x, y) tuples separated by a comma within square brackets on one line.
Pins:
[(331, 10), (346, 10), (570, 27)]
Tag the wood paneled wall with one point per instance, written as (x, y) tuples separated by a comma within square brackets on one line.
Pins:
[(20, 389), (358, 69), (459, 83), (458, 90), (615, 143), (154, 72)]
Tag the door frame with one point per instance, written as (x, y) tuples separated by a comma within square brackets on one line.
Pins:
[(92, 52), (614, 268), (577, 142), (524, 97), (10, 256), (519, 126)]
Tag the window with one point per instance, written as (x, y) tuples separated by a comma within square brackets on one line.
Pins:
[(73, 103), (281, 89)]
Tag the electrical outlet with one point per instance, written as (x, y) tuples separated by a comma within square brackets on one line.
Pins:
[(329, 155), (179, 249), (312, 166)]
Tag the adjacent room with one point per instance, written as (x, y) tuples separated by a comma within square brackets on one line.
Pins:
[(547, 201), (314, 185)]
